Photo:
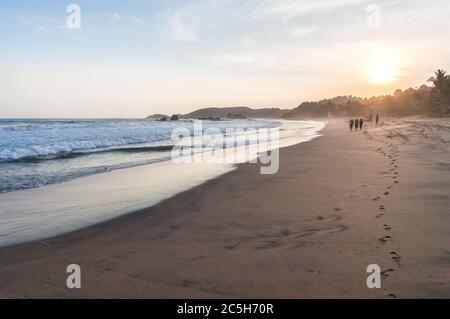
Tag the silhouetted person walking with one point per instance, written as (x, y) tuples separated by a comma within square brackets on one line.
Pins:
[(356, 124), (351, 122), (377, 120), (361, 123)]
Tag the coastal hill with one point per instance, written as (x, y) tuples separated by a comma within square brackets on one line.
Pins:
[(236, 112), (401, 103)]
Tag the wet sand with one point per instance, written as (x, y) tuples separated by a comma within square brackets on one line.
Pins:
[(339, 203)]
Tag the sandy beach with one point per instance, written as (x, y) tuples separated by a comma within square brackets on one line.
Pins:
[(338, 204)]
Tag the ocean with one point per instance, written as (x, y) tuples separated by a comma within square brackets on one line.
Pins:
[(35, 153)]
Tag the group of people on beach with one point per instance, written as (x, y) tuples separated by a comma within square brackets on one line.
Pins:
[(359, 123)]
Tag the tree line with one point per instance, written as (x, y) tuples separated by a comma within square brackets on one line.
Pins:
[(440, 94)]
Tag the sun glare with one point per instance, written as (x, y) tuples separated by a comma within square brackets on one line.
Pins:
[(383, 71)]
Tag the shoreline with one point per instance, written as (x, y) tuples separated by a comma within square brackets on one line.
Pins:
[(56, 209), (245, 235)]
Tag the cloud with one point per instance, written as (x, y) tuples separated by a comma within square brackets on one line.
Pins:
[(285, 61), (205, 21), (116, 17), (44, 23), (137, 21), (237, 59), (294, 59), (288, 9), (199, 21), (301, 32), (182, 28)]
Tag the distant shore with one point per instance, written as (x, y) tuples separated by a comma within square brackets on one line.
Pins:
[(338, 204)]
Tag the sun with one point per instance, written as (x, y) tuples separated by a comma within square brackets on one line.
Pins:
[(383, 71)]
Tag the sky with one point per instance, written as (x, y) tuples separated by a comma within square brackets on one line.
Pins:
[(133, 58)]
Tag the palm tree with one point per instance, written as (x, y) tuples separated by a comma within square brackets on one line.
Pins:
[(441, 87), (447, 93)]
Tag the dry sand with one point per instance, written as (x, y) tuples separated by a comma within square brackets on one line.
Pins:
[(339, 203)]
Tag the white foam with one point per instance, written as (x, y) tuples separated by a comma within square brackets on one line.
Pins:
[(40, 138)]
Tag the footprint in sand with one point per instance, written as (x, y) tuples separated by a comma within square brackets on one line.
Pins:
[(337, 209), (286, 236), (45, 243), (393, 296), (379, 215), (382, 207), (337, 229), (316, 232), (395, 256), (285, 233), (387, 227), (385, 239), (396, 182), (330, 219), (376, 198), (314, 271), (231, 246), (385, 273), (269, 244), (386, 193)]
